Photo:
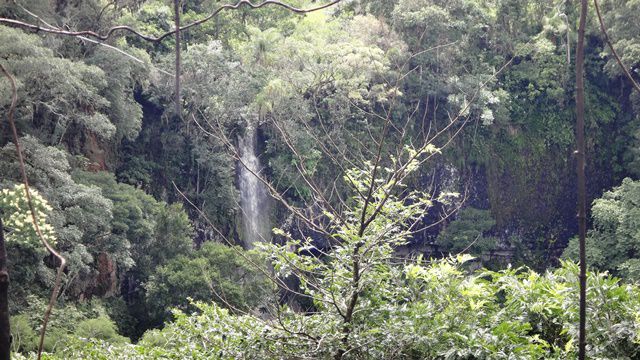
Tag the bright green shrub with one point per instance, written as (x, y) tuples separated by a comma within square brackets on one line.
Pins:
[(440, 312)]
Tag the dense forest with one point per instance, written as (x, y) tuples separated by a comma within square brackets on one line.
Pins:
[(355, 179)]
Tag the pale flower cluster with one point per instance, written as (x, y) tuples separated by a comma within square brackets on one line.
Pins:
[(17, 217)]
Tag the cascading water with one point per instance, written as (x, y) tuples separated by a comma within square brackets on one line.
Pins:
[(254, 196)]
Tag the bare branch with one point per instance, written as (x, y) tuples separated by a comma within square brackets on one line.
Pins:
[(127, 29), (272, 190), (274, 279), (613, 50), (93, 41)]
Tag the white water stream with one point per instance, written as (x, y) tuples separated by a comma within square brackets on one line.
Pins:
[(254, 196)]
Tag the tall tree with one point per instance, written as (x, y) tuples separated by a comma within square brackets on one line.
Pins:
[(580, 170)]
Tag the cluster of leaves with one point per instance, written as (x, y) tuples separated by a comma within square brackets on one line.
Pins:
[(62, 99), (78, 213), (225, 275), (147, 234), (439, 312), (17, 217), (614, 244), (68, 323), (317, 77), (468, 233), (624, 29)]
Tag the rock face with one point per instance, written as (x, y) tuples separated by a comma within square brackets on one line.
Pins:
[(95, 153), (103, 282), (106, 282)]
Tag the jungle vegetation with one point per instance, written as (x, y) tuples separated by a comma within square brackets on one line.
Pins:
[(355, 179)]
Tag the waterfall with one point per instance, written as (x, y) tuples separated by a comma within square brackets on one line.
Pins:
[(254, 196)]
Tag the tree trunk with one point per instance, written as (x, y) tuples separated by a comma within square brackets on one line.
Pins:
[(580, 170), (176, 9), (5, 329)]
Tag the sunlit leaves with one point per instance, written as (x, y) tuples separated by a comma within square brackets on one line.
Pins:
[(614, 243), (17, 218), (426, 311)]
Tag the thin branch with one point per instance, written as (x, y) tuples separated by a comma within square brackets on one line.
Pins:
[(400, 174), (302, 170), (93, 41), (613, 51), (274, 279), (272, 190), (127, 29)]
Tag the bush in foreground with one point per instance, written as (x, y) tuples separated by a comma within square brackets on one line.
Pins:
[(439, 312)]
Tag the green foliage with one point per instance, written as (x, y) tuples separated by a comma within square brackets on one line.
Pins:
[(145, 234), (614, 242), (136, 171), (215, 272), (25, 338), (55, 93), (124, 74), (621, 17), (67, 322), (439, 312), (170, 150), (450, 38), (101, 328), (468, 233), (324, 84), (17, 217), (79, 214), (144, 230), (316, 76)]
